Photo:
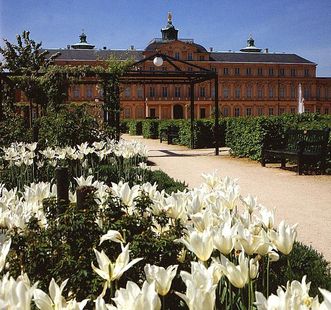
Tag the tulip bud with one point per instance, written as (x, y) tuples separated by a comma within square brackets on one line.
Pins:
[(273, 256), (253, 268)]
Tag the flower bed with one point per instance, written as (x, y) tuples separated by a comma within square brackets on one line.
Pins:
[(219, 244)]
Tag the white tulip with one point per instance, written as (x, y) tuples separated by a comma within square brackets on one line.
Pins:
[(162, 277), (284, 238), (200, 243)]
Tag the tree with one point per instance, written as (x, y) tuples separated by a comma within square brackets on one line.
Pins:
[(25, 61)]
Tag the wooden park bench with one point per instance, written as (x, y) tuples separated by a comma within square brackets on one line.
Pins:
[(169, 133), (300, 146)]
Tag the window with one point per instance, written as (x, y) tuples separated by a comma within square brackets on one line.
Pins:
[(318, 93), (307, 110), (249, 92), (237, 92), (281, 110), (127, 92), (271, 71), (306, 92), (190, 69), (306, 72), (326, 111), (140, 112), (318, 110), (213, 69), (151, 68), (201, 57), (152, 91), (202, 92), (281, 72), (292, 91), (213, 92), (237, 71), (293, 72), (140, 92), (188, 91), (225, 111), (236, 112), (152, 112), (292, 110), (271, 111), (89, 91), (248, 111), (189, 56), (248, 71), (177, 55), (225, 92), (259, 71), (164, 91), (177, 92), (76, 91), (259, 111), (164, 68), (202, 112), (271, 92), (226, 71), (127, 112), (282, 92), (260, 92)]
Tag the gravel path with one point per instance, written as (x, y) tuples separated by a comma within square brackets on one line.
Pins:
[(305, 200)]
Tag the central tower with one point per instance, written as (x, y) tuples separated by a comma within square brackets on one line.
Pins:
[(169, 32)]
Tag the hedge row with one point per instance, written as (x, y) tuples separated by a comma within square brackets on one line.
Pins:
[(244, 135), (203, 130)]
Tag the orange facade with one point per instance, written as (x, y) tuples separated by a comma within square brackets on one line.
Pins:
[(251, 82)]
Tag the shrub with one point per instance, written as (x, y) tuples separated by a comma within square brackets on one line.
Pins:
[(164, 181), (13, 129), (135, 127), (70, 126), (150, 129), (303, 260), (245, 135)]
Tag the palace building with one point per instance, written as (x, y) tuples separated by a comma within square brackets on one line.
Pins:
[(251, 82)]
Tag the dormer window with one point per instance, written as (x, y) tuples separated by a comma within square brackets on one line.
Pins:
[(189, 56), (201, 57), (177, 55)]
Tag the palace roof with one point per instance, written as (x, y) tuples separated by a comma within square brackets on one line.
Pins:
[(225, 57)]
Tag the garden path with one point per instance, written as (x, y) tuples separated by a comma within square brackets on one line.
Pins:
[(305, 199)]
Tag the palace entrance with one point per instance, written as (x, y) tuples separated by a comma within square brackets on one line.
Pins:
[(178, 112)]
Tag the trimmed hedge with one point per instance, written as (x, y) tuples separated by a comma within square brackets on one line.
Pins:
[(135, 127), (150, 128), (245, 135)]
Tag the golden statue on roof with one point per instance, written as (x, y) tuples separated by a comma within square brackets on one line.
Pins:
[(169, 17)]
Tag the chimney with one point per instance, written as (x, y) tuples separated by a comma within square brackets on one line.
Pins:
[(266, 51), (104, 48), (210, 49), (68, 47), (132, 47)]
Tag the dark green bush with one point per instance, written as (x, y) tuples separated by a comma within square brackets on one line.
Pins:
[(135, 127), (164, 181), (245, 135), (150, 128), (13, 129), (70, 126), (304, 260)]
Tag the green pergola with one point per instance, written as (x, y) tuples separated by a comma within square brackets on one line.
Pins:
[(137, 75)]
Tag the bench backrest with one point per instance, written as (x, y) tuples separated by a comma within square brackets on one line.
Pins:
[(313, 141)]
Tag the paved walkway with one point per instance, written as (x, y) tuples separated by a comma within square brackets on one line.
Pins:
[(305, 200)]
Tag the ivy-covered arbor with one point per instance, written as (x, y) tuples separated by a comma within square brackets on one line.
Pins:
[(136, 74)]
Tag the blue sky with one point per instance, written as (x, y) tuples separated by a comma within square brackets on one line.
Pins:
[(291, 26)]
